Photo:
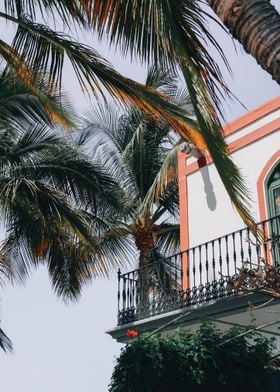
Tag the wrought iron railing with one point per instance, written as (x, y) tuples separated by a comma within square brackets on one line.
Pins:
[(200, 274)]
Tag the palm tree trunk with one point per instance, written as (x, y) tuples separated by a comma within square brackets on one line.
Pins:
[(144, 280), (256, 25), (145, 242)]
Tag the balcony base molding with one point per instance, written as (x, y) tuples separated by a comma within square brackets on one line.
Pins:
[(225, 312)]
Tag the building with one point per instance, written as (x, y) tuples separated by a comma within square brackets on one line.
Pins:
[(215, 246)]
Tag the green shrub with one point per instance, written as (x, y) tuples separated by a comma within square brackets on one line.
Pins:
[(208, 360)]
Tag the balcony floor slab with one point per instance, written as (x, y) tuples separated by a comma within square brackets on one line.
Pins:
[(225, 312)]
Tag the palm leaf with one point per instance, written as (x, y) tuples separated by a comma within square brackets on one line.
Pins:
[(163, 274), (92, 71), (45, 182), (163, 79), (40, 154), (69, 259), (28, 79), (168, 202), (70, 265), (65, 244), (168, 239), (68, 11), (110, 141), (166, 176), (18, 105), (116, 250), (19, 143), (172, 32), (5, 342), (148, 28)]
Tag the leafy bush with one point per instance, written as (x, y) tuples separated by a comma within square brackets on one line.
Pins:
[(208, 360)]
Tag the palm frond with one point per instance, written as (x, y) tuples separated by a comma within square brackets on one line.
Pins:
[(92, 71), (42, 155), (106, 146), (115, 250), (183, 98), (48, 202), (149, 30), (4, 271), (45, 181), (166, 176), (33, 85), (77, 177), (5, 342), (103, 122), (163, 274), (18, 105), (172, 32), (163, 79), (28, 140), (102, 117), (67, 247), (168, 202), (36, 211), (69, 259), (17, 256), (168, 239), (70, 265), (66, 10)]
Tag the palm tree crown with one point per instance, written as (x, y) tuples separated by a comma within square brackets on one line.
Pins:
[(47, 182), (143, 153)]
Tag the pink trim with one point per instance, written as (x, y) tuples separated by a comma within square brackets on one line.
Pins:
[(252, 116), (238, 144), (261, 183), (184, 219), (261, 189)]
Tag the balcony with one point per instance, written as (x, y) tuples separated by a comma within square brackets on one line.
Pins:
[(205, 274)]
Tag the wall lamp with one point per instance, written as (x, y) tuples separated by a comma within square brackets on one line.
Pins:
[(191, 150)]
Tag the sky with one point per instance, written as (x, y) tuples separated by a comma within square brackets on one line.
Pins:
[(60, 347)]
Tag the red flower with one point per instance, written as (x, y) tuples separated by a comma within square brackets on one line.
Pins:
[(131, 333)]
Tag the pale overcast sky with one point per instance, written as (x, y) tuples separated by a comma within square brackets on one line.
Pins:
[(65, 348)]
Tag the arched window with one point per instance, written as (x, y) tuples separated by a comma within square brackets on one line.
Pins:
[(273, 198), (273, 192)]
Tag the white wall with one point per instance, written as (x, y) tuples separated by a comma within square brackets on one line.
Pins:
[(211, 213)]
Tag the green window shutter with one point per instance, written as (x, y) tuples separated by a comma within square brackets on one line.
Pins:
[(273, 198)]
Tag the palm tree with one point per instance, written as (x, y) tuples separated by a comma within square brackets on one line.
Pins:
[(143, 153), (256, 25), (168, 32), (18, 107), (46, 182)]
